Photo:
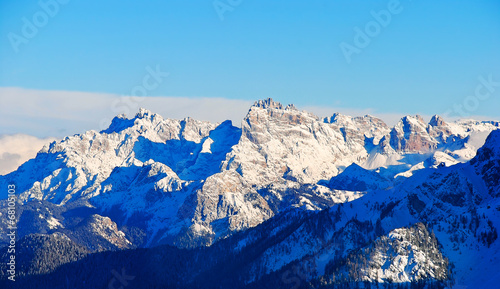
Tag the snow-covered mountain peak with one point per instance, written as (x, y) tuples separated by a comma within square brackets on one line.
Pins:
[(410, 135), (119, 123), (360, 128), (144, 113), (158, 129), (436, 120), (338, 118), (143, 118), (412, 120), (268, 103)]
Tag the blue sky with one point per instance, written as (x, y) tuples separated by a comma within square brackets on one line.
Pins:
[(429, 57)]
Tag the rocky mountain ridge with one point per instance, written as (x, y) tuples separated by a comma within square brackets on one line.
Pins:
[(188, 182), (289, 198)]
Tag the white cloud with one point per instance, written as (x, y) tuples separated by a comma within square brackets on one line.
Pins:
[(62, 113), (17, 149)]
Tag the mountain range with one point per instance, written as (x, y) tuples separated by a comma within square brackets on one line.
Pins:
[(286, 200)]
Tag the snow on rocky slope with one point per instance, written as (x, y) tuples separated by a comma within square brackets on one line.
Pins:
[(439, 225), (188, 182), (343, 199)]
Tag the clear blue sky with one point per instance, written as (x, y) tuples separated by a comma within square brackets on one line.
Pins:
[(428, 57)]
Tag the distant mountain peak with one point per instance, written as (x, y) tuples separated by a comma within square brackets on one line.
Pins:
[(119, 123), (336, 117), (412, 118), (436, 120), (268, 103), (122, 122), (144, 113)]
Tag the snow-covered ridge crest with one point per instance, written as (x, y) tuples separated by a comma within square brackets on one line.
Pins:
[(196, 180)]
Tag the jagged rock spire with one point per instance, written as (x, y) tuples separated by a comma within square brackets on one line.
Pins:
[(436, 120), (268, 103)]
